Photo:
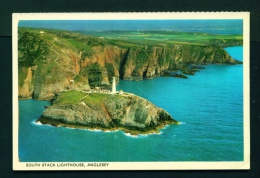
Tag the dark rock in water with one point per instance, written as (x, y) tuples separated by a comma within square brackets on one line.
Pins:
[(238, 62), (189, 72), (173, 74), (125, 111)]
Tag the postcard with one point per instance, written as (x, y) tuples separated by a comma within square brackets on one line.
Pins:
[(131, 91)]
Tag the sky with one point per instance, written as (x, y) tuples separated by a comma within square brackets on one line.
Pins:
[(208, 26)]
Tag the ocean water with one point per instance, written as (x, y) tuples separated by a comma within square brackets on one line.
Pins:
[(209, 106), (219, 26)]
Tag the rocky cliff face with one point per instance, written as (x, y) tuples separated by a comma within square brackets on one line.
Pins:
[(52, 61), (153, 61), (106, 111), (47, 65)]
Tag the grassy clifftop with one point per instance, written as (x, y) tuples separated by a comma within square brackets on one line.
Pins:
[(75, 97)]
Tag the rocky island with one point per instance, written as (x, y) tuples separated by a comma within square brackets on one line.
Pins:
[(105, 111), (64, 67)]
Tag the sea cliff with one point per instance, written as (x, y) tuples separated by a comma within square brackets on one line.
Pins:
[(105, 111), (51, 61)]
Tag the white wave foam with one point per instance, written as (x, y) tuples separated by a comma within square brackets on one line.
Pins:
[(143, 135), (154, 133), (37, 123), (69, 128), (183, 123), (129, 135), (110, 130), (95, 130)]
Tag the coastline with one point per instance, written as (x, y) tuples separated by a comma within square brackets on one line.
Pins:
[(126, 130), (132, 132)]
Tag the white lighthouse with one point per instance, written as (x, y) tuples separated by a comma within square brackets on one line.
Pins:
[(114, 86)]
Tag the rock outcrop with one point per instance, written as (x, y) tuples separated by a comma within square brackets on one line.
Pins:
[(54, 60), (125, 111)]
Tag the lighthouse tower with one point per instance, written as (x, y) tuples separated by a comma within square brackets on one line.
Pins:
[(114, 86)]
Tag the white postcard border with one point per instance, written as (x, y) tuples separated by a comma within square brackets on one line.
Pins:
[(176, 165)]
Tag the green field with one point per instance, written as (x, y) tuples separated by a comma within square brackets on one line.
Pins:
[(128, 38), (135, 38)]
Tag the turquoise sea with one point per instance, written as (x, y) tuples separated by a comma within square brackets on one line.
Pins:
[(209, 106)]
